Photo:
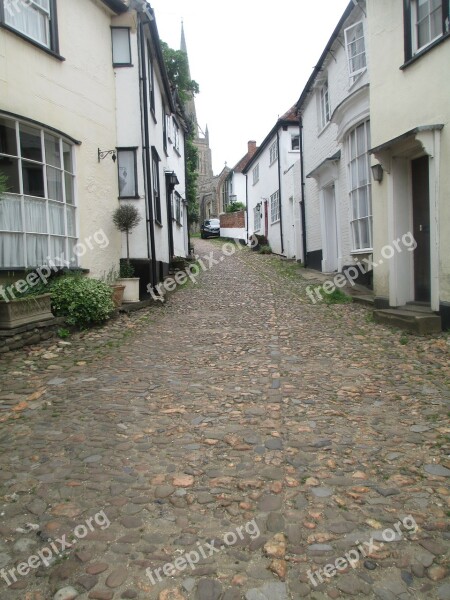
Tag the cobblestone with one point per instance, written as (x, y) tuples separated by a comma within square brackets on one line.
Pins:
[(237, 400)]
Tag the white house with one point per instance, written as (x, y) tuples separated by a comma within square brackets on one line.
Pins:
[(150, 145), (335, 140), (57, 110), (410, 110), (271, 202)]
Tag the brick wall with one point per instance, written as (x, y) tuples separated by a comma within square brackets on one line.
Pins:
[(233, 220)]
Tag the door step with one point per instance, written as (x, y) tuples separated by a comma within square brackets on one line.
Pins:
[(417, 319)]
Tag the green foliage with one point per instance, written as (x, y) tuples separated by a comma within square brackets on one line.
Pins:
[(336, 297), (63, 333), (235, 207), (191, 180), (126, 270), (177, 67), (3, 184), (265, 249), (126, 217), (82, 301)]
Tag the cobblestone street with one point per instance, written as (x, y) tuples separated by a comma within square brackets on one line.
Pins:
[(237, 422)]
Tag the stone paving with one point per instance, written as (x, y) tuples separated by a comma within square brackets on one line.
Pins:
[(237, 424)]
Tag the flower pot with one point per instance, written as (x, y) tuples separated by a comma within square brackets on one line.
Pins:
[(23, 311), (117, 294), (131, 292)]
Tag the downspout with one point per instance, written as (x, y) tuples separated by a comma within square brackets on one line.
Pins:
[(279, 190), (186, 194), (246, 202), (302, 201), (146, 155)]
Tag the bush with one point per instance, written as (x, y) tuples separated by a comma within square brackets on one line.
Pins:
[(82, 301), (265, 249), (235, 207)]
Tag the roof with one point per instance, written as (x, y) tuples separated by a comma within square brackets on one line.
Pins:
[(324, 54), (289, 118), (118, 6), (240, 165)]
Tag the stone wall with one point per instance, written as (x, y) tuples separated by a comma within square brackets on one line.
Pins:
[(34, 333)]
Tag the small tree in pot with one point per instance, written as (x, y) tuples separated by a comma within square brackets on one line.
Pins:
[(126, 218)]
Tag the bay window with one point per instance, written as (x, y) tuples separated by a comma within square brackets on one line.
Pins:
[(358, 144), (34, 19), (38, 213)]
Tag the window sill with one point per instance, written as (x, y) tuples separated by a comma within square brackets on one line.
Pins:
[(158, 223), (129, 197), (122, 65), (366, 251), (255, 182), (32, 42), (425, 50), (152, 110), (273, 162), (275, 222), (177, 151), (324, 128)]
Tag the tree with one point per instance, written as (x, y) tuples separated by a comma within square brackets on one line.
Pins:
[(126, 218), (3, 185), (177, 67)]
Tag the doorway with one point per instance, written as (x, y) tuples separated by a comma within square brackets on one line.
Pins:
[(421, 228), (330, 242)]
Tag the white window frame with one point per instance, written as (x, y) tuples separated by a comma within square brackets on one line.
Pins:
[(43, 9), (124, 174), (273, 152), (255, 173), (257, 218), (295, 137), (324, 105), (359, 180), (414, 26), (176, 136), (353, 73), (275, 212), (62, 176)]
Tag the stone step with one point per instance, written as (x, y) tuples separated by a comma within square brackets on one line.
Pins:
[(415, 321), (361, 299), (421, 307)]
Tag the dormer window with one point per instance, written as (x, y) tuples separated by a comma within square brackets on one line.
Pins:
[(356, 49)]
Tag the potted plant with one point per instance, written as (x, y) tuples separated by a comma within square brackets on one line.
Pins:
[(126, 218), (118, 289)]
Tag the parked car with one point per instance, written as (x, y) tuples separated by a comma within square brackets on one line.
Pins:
[(210, 228)]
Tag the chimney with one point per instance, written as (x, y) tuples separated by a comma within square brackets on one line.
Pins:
[(251, 148)]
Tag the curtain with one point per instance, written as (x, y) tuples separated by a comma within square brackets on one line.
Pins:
[(27, 18), (37, 248), (126, 173), (11, 250), (10, 214), (35, 216), (56, 218)]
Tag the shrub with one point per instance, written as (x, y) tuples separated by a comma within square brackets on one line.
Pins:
[(235, 207), (265, 249), (82, 301)]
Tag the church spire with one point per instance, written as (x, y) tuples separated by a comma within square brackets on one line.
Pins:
[(190, 104)]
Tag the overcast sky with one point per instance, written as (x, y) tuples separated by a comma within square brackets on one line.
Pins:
[(250, 60)]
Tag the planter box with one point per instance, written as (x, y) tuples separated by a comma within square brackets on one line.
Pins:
[(131, 292), (25, 310)]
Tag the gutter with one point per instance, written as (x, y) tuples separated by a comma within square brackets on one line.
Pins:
[(302, 201), (279, 191), (146, 155)]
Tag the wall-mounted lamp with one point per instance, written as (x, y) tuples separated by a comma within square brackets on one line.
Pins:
[(172, 179), (104, 153), (258, 207), (377, 172)]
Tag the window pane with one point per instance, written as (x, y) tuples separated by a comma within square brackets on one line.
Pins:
[(356, 238), (8, 141), (11, 250), (52, 151), (364, 233), (10, 168), (36, 250), (361, 139), (35, 216), (362, 170), (30, 143), (28, 19), (58, 250), (10, 214), (33, 179), (71, 227), (54, 184), (69, 189), (423, 36), (127, 184), (423, 9), (436, 23), (363, 204), (56, 218), (67, 151), (354, 202), (121, 46)]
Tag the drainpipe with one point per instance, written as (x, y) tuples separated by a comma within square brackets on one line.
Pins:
[(279, 190), (146, 155), (185, 193), (302, 201), (246, 202)]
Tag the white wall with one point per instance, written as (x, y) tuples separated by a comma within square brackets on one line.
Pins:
[(77, 97)]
